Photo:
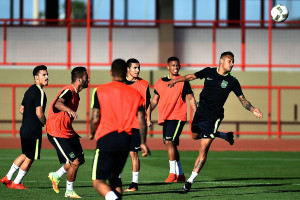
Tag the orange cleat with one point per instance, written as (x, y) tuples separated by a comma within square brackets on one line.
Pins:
[(132, 188), (180, 178), (171, 178), (17, 186), (5, 181)]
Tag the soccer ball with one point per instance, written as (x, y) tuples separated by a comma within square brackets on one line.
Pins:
[(279, 13)]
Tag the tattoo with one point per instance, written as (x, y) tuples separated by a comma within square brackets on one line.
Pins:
[(199, 166), (245, 103), (95, 119)]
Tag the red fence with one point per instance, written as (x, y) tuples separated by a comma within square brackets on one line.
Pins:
[(68, 23), (279, 122)]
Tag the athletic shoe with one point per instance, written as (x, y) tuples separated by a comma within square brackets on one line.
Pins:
[(180, 178), (171, 178), (19, 186), (133, 187), (5, 181), (54, 178), (187, 186), (72, 194), (230, 138)]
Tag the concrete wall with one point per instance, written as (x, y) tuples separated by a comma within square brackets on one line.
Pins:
[(233, 109), (191, 45)]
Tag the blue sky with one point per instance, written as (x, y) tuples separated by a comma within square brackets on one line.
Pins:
[(145, 9)]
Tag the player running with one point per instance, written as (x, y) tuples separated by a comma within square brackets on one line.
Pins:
[(33, 110), (117, 109), (210, 112), (61, 134)]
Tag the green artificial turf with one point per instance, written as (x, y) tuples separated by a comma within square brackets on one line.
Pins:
[(226, 175)]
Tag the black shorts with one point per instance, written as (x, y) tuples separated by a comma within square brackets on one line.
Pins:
[(31, 147), (110, 156), (67, 149), (135, 142), (206, 128), (172, 130)]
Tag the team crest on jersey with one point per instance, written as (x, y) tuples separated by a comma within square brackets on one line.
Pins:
[(224, 84), (72, 155)]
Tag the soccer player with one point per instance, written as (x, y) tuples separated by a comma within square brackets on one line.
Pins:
[(210, 112), (117, 109), (142, 86), (172, 114), (61, 134), (33, 109)]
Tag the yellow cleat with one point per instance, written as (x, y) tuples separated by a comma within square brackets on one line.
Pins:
[(72, 194), (55, 181)]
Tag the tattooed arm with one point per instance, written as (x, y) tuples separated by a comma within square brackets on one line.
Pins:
[(94, 122), (247, 105)]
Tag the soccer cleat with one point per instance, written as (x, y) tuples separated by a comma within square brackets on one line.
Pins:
[(19, 186), (180, 178), (187, 186), (171, 178), (132, 188), (230, 138), (72, 194), (55, 181), (5, 181)]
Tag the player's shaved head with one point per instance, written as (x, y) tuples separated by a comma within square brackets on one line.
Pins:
[(78, 72), (226, 53), (119, 69)]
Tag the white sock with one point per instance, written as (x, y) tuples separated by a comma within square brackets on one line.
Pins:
[(223, 135), (61, 171), (111, 196), (20, 176), (12, 170), (70, 185), (178, 168), (192, 177), (135, 177), (172, 166)]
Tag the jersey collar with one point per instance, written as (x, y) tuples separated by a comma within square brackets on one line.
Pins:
[(74, 88), (132, 80), (220, 74), (39, 86)]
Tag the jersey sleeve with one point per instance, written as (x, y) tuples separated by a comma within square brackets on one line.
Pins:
[(237, 88), (202, 73), (95, 101), (155, 92), (66, 95), (23, 101), (38, 98), (148, 95), (187, 88)]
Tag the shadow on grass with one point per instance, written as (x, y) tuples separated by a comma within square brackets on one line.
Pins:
[(248, 193), (259, 178)]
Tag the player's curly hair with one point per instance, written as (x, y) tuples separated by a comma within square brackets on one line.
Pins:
[(173, 58)]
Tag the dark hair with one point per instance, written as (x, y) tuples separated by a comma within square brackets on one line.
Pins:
[(119, 68), (77, 72), (130, 61), (37, 69), (226, 53), (173, 58)]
